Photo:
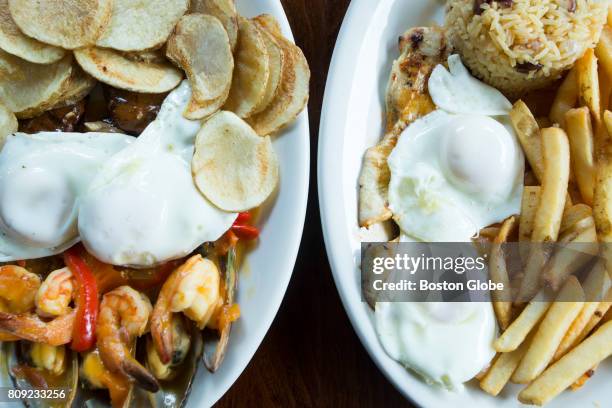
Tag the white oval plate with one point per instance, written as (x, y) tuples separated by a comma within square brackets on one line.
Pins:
[(352, 121), (264, 278)]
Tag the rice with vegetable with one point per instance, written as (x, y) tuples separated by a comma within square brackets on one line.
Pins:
[(521, 45)]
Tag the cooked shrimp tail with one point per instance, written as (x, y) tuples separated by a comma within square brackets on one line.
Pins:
[(30, 327)]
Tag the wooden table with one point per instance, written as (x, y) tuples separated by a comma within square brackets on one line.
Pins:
[(311, 356)]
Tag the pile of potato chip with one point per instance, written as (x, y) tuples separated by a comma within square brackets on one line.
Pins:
[(53, 53), (557, 339)]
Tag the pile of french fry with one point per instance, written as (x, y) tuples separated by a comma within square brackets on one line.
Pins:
[(558, 329)]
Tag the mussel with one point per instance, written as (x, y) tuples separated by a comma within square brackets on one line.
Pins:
[(33, 366)]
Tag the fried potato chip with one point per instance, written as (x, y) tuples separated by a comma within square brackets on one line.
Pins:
[(292, 94), (114, 69), (137, 25), (76, 88), (277, 61), (269, 22), (200, 46), (8, 124), (197, 110), (224, 10), (67, 24), (13, 41), (27, 97), (233, 167), (251, 70)]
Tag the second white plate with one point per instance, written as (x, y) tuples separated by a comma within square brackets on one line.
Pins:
[(352, 121)]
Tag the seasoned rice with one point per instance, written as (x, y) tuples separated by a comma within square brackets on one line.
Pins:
[(521, 45)]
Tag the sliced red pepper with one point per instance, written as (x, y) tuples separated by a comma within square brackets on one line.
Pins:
[(246, 232), (84, 329), (243, 218), (242, 229)]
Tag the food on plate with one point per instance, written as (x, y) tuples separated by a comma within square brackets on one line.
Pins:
[(416, 335), (521, 45), (68, 25), (117, 70), (135, 25), (211, 77), (498, 272), (27, 98), (118, 263), (434, 180), (407, 99), (291, 94), (224, 10), (548, 215), (234, 167), (493, 163), (563, 373), (15, 42), (251, 72), (8, 123)]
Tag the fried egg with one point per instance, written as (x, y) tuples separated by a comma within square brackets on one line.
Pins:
[(42, 180), (417, 335), (143, 207), (453, 172), (460, 168)]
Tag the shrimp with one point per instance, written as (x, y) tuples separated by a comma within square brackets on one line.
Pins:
[(27, 326), (18, 288), (55, 294), (124, 316), (193, 289)]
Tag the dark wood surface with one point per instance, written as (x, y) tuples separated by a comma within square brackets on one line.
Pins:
[(311, 356)]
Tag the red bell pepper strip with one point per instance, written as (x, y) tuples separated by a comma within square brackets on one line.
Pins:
[(84, 329), (242, 229)]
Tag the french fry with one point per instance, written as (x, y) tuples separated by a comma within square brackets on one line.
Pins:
[(595, 286), (568, 259), (603, 309), (528, 132), (608, 121), (583, 379), (588, 83), (518, 330), (566, 99), (602, 200), (603, 51), (580, 136), (576, 219), (529, 205), (553, 193), (498, 273), (568, 369), (502, 369), (559, 317)]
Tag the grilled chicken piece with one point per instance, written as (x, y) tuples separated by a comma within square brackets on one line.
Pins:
[(421, 49)]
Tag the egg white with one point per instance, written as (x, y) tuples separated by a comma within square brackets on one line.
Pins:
[(143, 208), (42, 179)]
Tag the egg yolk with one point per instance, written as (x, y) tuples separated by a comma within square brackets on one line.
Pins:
[(477, 154)]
